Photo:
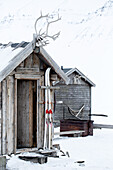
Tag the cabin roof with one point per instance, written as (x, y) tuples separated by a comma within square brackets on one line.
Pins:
[(12, 54), (69, 71)]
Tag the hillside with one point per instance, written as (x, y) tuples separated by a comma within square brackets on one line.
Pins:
[(85, 41)]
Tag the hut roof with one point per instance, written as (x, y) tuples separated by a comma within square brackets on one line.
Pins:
[(69, 71), (12, 54)]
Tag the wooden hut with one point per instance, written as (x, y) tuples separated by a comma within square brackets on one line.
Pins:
[(22, 106), (74, 99)]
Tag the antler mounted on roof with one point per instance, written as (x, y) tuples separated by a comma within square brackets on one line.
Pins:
[(43, 36)]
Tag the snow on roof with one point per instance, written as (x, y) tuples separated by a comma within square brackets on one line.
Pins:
[(70, 71), (6, 55), (11, 55)]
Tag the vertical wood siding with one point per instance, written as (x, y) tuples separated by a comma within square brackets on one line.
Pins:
[(4, 116), (0, 114), (40, 114), (9, 107), (10, 115)]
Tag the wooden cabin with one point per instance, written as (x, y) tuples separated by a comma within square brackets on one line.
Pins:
[(73, 99), (22, 106)]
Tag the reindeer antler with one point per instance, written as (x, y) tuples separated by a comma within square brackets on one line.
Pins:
[(41, 16), (42, 37)]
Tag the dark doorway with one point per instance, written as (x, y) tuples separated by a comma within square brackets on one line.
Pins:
[(26, 113)]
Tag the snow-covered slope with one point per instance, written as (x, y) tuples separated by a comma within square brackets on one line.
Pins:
[(85, 42)]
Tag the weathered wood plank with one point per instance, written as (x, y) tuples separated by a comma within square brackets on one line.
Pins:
[(40, 114), (54, 77), (102, 126), (36, 61), (10, 115), (38, 110), (27, 76), (0, 114), (42, 110), (30, 114), (4, 111), (69, 132), (15, 116), (27, 70), (28, 63)]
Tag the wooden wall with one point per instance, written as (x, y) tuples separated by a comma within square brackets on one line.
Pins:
[(7, 115), (0, 114), (27, 70), (33, 70), (74, 95)]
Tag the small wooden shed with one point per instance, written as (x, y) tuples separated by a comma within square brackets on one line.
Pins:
[(22, 106), (75, 97)]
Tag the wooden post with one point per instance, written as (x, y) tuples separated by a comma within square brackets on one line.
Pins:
[(10, 115), (42, 111), (38, 110), (0, 114), (40, 116), (4, 111), (30, 114), (15, 117)]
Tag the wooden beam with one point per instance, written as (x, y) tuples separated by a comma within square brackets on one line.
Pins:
[(15, 117), (27, 70), (54, 77), (69, 132), (0, 114), (4, 111), (10, 115), (27, 76), (30, 114), (38, 116), (99, 126)]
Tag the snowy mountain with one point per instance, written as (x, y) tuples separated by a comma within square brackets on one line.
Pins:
[(85, 41)]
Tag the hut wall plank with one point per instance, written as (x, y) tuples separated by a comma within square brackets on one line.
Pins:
[(3, 116), (0, 113), (10, 115), (27, 76), (36, 61), (30, 114), (28, 61), (40, 114), (15, 117)]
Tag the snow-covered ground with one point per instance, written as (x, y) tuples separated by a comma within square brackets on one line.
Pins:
[(96, 151)]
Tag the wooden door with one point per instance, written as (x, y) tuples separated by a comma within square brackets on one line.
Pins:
[(25, 116)]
